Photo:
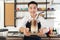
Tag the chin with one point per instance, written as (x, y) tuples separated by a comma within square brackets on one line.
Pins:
[(33, 13)]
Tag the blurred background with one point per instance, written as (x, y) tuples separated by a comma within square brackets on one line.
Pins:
[(13, 11)]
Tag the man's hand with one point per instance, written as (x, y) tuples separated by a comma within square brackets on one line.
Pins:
[(42, 31), (21, 29), (26, 32)]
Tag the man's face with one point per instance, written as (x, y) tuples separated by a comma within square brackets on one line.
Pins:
[(32, 9)]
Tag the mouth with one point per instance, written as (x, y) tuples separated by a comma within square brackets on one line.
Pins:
[(32, 12)]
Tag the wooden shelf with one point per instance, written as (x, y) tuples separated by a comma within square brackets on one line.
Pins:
[(44, 17), (38, 10), (37, 2), (19, 17), (27, 10), (50, 17)]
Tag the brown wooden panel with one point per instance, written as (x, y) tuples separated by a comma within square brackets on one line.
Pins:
[(54, 38), (9, 14), (44, 38), (14, 38)]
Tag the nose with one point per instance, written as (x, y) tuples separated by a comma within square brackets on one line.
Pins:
[(32, 10)]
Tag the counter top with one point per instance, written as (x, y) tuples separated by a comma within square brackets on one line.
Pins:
[(18, 34)]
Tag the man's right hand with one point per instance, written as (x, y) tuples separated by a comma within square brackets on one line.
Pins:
[(26, 32), (21, 29)]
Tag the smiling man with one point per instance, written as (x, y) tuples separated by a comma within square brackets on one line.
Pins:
[(26, 23)]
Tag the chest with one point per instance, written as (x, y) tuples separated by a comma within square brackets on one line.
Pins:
[(30, 25)]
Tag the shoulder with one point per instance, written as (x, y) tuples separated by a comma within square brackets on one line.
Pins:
[(25, 18), (40, 17)]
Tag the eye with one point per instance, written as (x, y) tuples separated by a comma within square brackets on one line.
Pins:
[(30, 7)]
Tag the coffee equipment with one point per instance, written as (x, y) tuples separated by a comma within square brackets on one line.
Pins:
[(4, 32), (34, 25)]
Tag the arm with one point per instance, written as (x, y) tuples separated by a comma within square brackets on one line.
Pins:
[(21, 25), (44, 25), (23, 28)]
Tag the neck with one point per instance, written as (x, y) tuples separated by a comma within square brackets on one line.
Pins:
[(33, 16)]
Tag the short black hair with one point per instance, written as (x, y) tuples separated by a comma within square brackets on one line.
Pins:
[(32, 2)]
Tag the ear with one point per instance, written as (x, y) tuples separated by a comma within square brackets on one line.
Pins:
[(28, 8)]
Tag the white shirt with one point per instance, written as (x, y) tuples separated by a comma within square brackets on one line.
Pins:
[(40, 19)]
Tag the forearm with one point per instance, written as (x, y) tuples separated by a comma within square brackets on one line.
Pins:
[(44, 30), (21, 29)]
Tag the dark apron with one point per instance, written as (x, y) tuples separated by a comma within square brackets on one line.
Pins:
[(32, 37)]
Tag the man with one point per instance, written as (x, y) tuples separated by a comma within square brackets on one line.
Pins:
[(25, 27)]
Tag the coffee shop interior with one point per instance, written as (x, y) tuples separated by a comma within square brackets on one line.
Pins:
[(12, 13)]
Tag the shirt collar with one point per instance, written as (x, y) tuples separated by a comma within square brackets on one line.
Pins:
[(30, 18)]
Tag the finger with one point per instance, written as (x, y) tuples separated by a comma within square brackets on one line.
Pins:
[(27, 29)]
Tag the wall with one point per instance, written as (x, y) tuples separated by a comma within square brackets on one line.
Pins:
[(50, 21), (57, 15), (1, 13), (50, 13)]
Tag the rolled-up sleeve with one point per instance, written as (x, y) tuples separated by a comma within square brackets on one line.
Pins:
[(22, 23)]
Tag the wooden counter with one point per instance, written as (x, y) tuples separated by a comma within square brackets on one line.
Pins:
[(15, 36), (43, 38)]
